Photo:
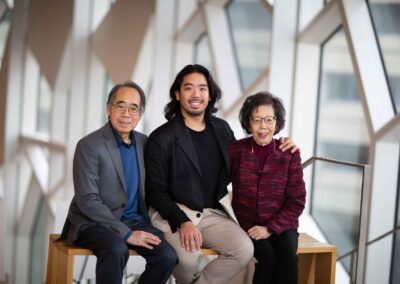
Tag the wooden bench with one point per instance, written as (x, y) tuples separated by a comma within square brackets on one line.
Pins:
[(60, 262), (317, 261)]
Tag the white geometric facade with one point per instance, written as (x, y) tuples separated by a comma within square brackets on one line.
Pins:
[(335, 64)]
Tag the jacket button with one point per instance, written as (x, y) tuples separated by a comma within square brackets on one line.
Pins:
[(198, 215)]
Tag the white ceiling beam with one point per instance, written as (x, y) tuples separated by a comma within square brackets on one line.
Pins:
[(222, 54), (192, 29), (163, 64), (390, 132), (323, 25), (118, 39), (282, 57), (368, 66)]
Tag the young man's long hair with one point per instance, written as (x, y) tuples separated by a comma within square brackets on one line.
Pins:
[(173, 108)]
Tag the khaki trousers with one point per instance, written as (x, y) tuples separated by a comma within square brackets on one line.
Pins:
[(221, 234)]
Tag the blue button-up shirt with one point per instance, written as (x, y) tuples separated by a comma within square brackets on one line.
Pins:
[(131, 174)]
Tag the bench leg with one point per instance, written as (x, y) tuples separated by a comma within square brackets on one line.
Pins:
[(306, 268), (65, 268), (325, 268)]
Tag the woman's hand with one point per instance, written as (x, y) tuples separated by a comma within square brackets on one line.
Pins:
[(258, 233)]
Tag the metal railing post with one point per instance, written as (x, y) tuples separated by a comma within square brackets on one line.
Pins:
[(364, 213)]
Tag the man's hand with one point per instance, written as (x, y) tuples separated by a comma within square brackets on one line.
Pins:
[(143, 239), (258, 233), (286, 144), (191, 238)]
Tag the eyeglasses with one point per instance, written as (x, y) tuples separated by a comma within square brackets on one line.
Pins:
[(269, 120), (121, 108)]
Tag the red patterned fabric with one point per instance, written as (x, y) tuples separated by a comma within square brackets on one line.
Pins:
[(273, 197)]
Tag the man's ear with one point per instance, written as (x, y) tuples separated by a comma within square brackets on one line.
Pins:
[(108, 109), (177, 95)]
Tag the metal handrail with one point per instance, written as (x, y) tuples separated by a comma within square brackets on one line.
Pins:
[(364, 211), (344, 163)]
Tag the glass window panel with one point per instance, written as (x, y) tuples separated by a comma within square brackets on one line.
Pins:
[(44, 106), (250, 25), (339, 104), (108, 85), (343, 275), (10, 3), (398, 202), (397, 223), (336, 193), (378, 262), (39, 235), (202, 52), (386, 19), (4, 28), (335, 204), (395, 277)]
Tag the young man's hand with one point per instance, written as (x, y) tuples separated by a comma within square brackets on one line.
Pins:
[(286, 144), (191, 238)]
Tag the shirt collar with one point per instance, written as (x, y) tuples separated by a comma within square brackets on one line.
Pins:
[(120, 141)]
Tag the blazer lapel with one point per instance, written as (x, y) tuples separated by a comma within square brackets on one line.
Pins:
[(140, 155), (112, 147), (140, 144), (184, 141)]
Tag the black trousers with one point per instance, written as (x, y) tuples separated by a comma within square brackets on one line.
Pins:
[(276, 259), (112, 254)]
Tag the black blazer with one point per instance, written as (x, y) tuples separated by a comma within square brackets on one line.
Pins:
[(173, 173)]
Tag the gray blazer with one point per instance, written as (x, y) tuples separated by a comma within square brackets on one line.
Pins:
[(99, 184)]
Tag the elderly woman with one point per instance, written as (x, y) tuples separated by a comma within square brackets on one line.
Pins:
[(268, 189)]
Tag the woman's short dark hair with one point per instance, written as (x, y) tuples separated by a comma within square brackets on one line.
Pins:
[(173, 108), (253, 102), (128, 84)]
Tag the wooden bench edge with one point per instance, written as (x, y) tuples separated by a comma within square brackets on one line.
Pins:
[(62, 246), (307, 244)]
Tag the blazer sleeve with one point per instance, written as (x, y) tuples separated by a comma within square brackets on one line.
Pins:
[(158, 195), (86, 186), (295, 198)]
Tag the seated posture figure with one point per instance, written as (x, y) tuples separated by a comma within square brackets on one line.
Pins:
[(187, 178), (268, 190), (108, 213)]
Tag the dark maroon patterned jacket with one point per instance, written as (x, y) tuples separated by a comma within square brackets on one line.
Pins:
[(273, 197)]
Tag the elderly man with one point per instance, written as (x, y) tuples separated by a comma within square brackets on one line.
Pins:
[(108, 214)]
